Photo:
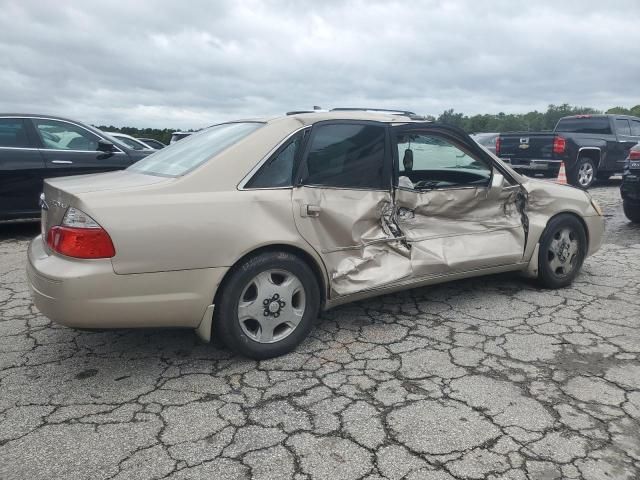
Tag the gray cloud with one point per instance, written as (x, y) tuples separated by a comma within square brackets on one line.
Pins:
[(189, 64)]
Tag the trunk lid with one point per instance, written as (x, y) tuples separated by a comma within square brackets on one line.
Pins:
[(61, 193)]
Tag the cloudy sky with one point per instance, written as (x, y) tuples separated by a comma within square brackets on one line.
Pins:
[(190, 63)]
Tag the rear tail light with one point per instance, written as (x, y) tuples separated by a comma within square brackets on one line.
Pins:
[(498, 142), (634, 155), (80, 236), (559, 144)]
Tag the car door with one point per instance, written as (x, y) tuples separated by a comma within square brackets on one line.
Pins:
[(22, 169), (343, 204), (625, 140), (458, 213), (70, 149)]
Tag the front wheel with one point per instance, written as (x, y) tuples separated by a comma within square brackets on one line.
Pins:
[(631, 212), (268, 305), (583, 174), (563, 248)]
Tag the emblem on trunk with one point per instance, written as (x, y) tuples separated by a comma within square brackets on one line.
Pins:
[(42, 203)]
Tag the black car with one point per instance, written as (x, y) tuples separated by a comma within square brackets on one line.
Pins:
[(35, 147), (630, 188)]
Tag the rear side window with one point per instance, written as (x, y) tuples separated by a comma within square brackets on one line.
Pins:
[(278, 170), (346, 156), (13, 133), (181, 157), (622, 126), (635, 128), (599, 125)]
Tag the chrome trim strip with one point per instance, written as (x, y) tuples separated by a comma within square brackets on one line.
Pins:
[(254, 170)]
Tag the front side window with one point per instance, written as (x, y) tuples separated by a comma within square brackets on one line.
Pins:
[(346, 156), (13, 133), (427, 161), (181, 157), (277, 172), (622, 126), (59, 135)]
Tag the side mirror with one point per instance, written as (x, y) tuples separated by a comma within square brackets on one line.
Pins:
[(105, 146), (497, 184)]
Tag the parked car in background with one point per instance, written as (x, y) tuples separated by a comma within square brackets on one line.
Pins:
[(131, 142), (591, 146), (35, 147), (176, 136), (153, 143), (487, 140), (247, 229), (630, 188)]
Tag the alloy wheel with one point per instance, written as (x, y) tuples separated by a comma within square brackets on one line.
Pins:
[(271, 306)]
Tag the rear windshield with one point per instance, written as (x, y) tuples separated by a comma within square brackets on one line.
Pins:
[(598, 125), (180, 158)]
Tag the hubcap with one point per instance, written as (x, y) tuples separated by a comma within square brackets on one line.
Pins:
[(563, 252), (585, 174), (271, 306)]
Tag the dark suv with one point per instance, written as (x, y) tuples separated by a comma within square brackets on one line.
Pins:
[(35, 147), (630, 188)]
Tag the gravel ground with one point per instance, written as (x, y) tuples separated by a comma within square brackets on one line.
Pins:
[(485, 378)]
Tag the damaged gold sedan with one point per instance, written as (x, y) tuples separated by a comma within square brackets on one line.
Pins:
[(247, 229)]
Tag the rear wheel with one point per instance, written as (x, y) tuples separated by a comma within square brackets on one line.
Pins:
[(583, 174), (632, 212), (267, 306), (563, 247)]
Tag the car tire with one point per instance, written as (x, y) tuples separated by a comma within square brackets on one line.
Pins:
[(267, 305), (631, 212), (563, 248), (583, 174)]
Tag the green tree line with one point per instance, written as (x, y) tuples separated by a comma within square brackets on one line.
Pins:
[(531, 121), (501, 122)]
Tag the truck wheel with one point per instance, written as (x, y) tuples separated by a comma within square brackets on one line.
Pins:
[(267, 306), (631, 212), (563, 247), (583, 174)]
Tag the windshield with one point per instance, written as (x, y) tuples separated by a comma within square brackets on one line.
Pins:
[(180, 158), (131, 143)]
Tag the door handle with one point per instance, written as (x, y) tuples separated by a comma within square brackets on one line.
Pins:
[(64, 162), (310, 210)]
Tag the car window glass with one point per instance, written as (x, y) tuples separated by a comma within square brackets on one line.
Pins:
[(586, 124), (131, 143), (181, 157), (622, 126), (13, 133), (347, 156), (59, 135), (278, 170), (428, 161), (635, 128)]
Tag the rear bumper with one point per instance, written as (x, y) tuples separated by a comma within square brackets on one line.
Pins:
[(89, 294), (630, 188), (533, 164)]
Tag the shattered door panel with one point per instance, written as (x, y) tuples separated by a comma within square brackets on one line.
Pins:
[(353, 233), (457, 230)]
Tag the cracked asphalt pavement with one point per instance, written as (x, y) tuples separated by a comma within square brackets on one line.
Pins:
[(484, 378)]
